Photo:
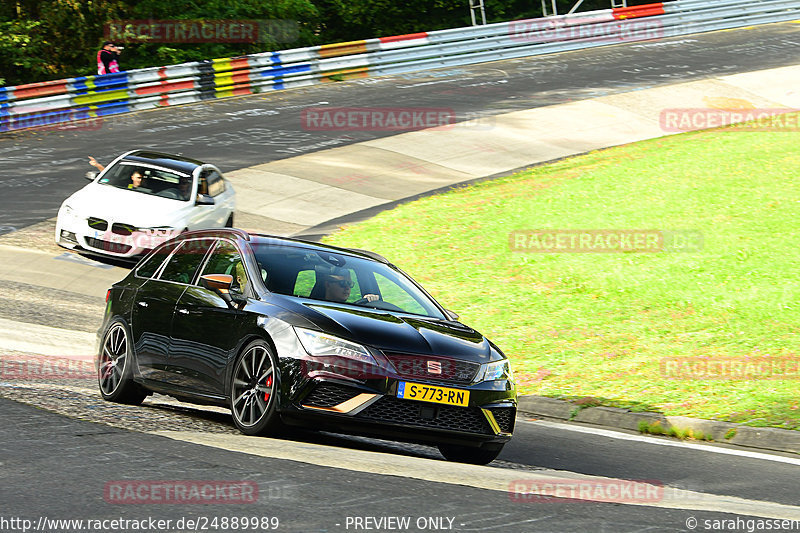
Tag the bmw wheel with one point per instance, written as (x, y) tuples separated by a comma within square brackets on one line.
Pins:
[(254, 387), (115, 367)]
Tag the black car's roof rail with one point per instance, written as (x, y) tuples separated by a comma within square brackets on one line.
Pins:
[(374, 255), (219, 231)]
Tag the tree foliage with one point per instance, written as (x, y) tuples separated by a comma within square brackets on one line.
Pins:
[(52, 39)]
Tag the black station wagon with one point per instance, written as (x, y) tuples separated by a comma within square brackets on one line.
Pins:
[(291, 333)]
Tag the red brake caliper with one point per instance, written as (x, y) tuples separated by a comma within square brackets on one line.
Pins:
[(269, 386)]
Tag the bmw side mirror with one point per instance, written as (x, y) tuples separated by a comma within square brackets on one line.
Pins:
[(452, 315), (204, 199), (91, 175), (220, 284)]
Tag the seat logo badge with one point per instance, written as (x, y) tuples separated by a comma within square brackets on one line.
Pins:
[(434, 367)]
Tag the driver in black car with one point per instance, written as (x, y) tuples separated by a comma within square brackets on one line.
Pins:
[(338, 285)]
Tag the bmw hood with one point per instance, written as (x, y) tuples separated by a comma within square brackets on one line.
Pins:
[(403, 333), (122, 205)]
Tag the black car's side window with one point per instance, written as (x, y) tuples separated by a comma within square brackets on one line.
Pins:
[(150, 267), (184, 262), (226, 259)]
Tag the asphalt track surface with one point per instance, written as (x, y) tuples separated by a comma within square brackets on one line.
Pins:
[(56, 466), (38, 169), (66, 476)]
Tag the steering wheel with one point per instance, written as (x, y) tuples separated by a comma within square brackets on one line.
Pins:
[(379, 304), (170, 193)]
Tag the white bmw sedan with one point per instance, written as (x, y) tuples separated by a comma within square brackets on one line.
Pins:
[(142, 199)]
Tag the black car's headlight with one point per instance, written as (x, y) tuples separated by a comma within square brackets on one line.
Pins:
[(497, 370), (321, 344)]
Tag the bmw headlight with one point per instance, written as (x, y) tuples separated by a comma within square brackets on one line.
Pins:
[(497, 370), (163, 232), (321, 344)]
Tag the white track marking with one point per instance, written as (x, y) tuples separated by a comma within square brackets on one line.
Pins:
[(664, 442)]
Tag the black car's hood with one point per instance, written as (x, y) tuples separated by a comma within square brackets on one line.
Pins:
[(402, 333)]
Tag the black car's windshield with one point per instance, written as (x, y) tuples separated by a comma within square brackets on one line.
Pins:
[(147, 180), (332, 277)]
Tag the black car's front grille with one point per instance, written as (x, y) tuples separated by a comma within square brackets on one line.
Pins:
[(394, 410), (434, 368), (97, 223), (329, 394), (113, 247), (505, 418)]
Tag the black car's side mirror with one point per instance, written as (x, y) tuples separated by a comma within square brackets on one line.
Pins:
[(204, 199), (91, 175), (219, 284)]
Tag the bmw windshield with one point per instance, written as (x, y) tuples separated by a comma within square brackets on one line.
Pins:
[(332, 277), (148, 180)]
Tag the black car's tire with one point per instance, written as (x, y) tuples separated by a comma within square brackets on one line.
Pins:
[(229, 223), (254, 391), (468, 454), (115, 366)]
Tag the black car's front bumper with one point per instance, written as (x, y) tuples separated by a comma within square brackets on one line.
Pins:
[(373, 408)]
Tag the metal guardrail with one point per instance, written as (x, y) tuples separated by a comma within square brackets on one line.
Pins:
[(54, 102)]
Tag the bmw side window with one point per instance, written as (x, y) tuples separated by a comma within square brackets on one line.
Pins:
[(150, 267), (184, 262), (226, 259), (215, 183)]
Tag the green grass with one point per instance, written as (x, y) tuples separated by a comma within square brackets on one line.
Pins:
[(597, 325)]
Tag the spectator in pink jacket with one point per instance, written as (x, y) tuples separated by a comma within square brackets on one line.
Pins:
[(107, 58)]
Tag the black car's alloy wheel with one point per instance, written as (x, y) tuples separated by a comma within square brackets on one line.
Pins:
[(253, 390), (115, 368)]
